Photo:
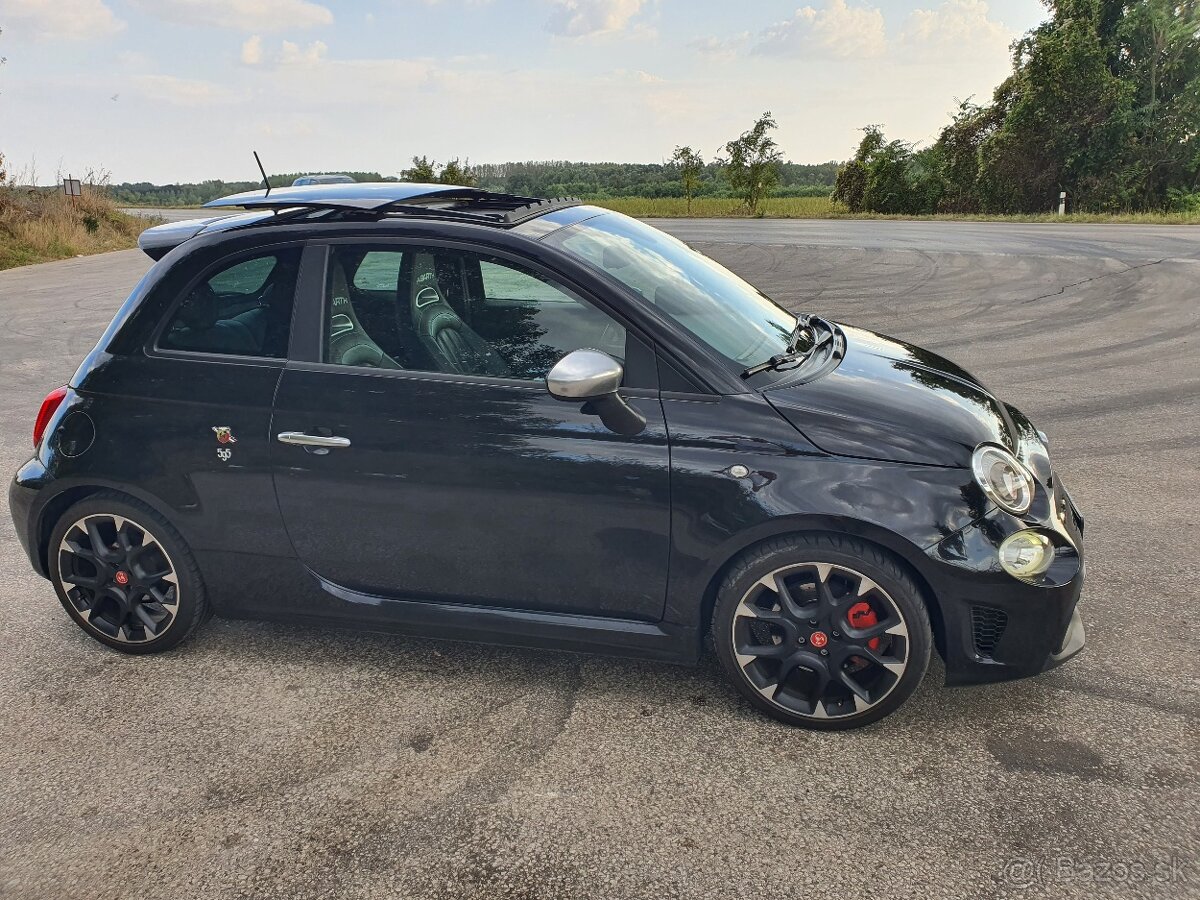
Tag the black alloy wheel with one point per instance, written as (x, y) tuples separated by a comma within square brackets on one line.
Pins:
[(125, 576), (825, 637)]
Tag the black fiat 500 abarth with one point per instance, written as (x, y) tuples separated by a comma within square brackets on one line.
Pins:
[(476, 416)]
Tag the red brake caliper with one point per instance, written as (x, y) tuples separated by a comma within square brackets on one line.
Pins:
[(862, 616)]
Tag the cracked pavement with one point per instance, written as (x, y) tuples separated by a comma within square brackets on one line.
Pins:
[(268, 761)]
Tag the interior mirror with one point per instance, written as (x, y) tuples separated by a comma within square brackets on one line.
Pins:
[(594, 378)]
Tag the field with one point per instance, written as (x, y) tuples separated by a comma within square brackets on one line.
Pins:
[(39, 226), (824, 208)]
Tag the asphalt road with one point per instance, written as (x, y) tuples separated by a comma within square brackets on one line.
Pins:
[(268, 761)]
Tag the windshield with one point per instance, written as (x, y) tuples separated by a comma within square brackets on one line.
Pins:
[(702, 296)]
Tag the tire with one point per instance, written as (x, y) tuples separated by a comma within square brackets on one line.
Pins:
[(822, 631), (111, 556)]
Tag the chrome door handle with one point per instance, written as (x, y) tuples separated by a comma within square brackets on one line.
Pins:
[(301, 439)]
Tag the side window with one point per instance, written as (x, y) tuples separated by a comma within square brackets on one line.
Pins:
[(362, 328), (436, 310), (378, 271), (245, 277), (502, 282), (243, 309), (531, 323)]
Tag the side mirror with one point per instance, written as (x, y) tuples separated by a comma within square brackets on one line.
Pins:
[(584, 375), (594, 377)]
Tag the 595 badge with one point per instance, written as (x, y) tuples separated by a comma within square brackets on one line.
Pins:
[(224, 437)]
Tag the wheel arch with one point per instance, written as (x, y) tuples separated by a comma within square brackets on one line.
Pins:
[(909, 556), (53, 509)]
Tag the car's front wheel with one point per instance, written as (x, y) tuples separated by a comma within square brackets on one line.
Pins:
[(822, 631), (125, 575)]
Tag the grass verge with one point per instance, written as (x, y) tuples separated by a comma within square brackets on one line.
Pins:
[(824, 208), (42, 225)]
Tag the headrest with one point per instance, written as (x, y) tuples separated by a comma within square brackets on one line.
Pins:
[(201, 309)]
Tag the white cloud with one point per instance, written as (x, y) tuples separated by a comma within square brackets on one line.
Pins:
[(718, 49), (252, 51), (303, 77), (838, 30), (245, 15), (959, 28), (289, 53), (586, 18), (60, 19), (294, 55), (181, 91)]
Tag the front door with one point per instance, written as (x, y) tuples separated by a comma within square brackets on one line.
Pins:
[(443, 469)]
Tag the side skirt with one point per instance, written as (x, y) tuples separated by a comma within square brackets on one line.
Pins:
[(287, 591)]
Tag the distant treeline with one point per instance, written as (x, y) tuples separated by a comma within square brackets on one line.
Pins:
[(557, 178), (143, 193), (551, 178)]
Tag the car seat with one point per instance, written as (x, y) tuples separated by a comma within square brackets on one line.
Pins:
[(349, 343)]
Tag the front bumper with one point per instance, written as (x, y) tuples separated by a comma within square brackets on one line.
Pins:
[(996, 627)]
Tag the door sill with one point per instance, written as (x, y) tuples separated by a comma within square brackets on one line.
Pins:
[(519, 627)]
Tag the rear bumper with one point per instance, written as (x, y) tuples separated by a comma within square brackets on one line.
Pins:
[(996, 627), (23, 504)]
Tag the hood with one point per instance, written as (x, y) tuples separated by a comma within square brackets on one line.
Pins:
[(890, 400)]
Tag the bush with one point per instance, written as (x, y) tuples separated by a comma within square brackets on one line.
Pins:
[(1179, 200), (41, 224)]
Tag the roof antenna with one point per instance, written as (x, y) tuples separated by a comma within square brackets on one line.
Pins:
[(266, 183)]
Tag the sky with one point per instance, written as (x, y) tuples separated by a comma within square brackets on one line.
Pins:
[(183, 90)]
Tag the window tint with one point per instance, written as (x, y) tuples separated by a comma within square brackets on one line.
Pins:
[(506, 283), (439, 310), (244, 309), (378, 271), (245, 277)]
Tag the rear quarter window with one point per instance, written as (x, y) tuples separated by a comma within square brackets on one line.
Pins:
[(243, 309), (244, 278)]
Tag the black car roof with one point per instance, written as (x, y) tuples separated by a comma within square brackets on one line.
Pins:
[(357, 202), (401, 198)]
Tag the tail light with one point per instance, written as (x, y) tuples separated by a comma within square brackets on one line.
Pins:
[(50, 406)]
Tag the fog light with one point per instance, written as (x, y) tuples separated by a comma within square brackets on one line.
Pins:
[(1026, 554)]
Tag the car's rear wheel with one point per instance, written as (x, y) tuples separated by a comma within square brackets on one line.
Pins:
[(822, 631), (125, 575)]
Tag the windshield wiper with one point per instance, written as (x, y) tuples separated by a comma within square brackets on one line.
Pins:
[(779, 362)]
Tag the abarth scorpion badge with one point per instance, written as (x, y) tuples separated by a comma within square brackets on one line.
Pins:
[(224, 436)]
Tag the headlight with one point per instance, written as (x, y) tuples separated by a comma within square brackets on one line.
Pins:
[(1026, 554), (1007, 483)]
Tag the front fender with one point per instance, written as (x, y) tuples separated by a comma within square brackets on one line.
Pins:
[(788, 486)]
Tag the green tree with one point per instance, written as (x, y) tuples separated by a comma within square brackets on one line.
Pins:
[(1065, 120), (958, 153), (691, 166), (1103, 102), (887, 189), (421, 171), (458, 173), (1161, 44), (850, 188), (751, 163)]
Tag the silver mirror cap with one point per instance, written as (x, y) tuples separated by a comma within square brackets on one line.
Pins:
[(584, 375)]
